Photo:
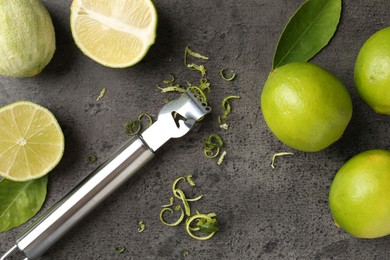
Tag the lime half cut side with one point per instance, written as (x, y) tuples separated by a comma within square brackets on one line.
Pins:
[(115, 33), (31, 141)]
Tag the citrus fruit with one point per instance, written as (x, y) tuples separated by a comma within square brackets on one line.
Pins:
[(305, 106), (31, 141), (114, 33), (359, 197), (27, 39), (372, 71)]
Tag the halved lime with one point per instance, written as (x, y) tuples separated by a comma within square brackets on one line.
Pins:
[(31, 141), (114, 33)]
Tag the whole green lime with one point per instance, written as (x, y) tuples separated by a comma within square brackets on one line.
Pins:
[(305, 106), (372, 71), (27, 40), (359, 197)]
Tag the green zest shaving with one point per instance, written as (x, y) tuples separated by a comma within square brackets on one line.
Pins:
[(212, 145), (194, 66), (226, 107), (277, 155), (220, 160), (92, 158), (185, 253), (232, 77), (141, 227), (170, 80), (206, 223), (181, 196), (134, 127), (190, 181), (177, 208), (150, 120), (101, 95), (120, 249), (171, 200), (172, 88)]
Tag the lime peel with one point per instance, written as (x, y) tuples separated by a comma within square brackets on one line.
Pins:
[(278, 155)]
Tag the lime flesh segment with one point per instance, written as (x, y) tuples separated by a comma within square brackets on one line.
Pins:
[(31, 141)]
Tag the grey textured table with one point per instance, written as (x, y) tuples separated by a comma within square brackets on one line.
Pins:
[(265, 213)]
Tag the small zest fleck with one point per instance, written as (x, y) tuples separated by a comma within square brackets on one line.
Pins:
[(101, 95), (190, 181), (220, 160), (277, 155), (185, 253), (120, 249), (171, 200), (92, 158), (141, 226), (224, 126), (170, 80), (232, 77)]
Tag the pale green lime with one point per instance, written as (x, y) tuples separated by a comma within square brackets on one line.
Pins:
[(305, 106), (359, 197), (27, 39), (372, 71)]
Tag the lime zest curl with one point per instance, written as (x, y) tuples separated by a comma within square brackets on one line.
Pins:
[(133, 127), (193, 66), (178, 207), (212, 146), (171, 200), (170, 80), (181, 196), (232, 77), (147, 116), (226, 107), (199, 216), (206, 222), (277, 155)]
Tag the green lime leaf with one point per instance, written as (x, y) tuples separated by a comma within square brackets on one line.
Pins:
[(20, 201), (308, 31)]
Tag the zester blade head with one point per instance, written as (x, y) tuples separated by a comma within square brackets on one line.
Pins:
[(175, 119)]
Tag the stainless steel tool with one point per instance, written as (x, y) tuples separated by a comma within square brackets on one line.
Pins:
[(175, 119)]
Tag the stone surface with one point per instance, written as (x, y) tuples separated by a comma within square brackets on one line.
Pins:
[(265, 213)]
